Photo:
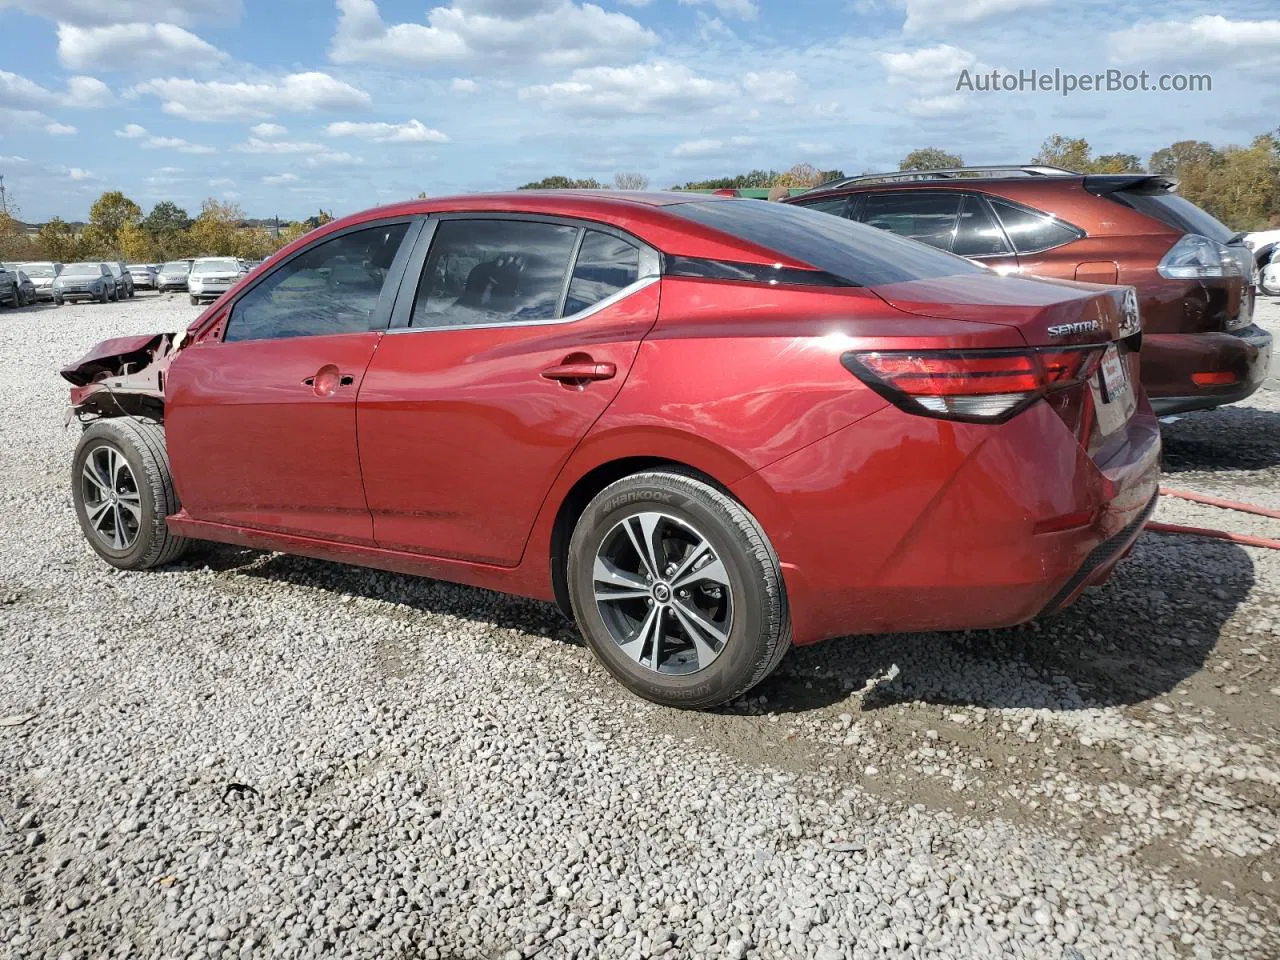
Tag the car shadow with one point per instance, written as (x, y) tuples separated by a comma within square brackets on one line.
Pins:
[(1140, 635), (1151, 627), (419, 594), (1228, 438)]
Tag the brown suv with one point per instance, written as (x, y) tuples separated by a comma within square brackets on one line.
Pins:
[(1193, 276)]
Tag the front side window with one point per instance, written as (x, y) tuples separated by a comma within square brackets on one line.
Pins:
[(1032, 231), (835, 205), (330, 288), (485, 272), (927, 217), (605, 265), (977, 233)]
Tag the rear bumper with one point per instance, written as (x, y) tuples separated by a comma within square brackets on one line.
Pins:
[(1171, 360), (905, 524)]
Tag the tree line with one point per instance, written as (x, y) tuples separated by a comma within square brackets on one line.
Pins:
[(117, 230)]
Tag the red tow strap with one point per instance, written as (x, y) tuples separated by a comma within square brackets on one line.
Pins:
[(1242, 538)]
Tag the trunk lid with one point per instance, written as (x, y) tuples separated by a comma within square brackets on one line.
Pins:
[(1045, 312)]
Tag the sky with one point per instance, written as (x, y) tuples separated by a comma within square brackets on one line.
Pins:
[(289, 106)]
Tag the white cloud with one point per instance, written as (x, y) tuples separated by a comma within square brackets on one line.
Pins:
[(14, 160), (710, 147), (19, 93), (78, 173), (258, 145), (98, 13), (1202, 40), (742, 9), (772, 86), (659, 87), (268, 130), (217, 100), (553, 32), (134, 46), (222, 182), (280, 179), (88, 92), (931, 67), (333, 158), (931, 16), (149, 141), (412, 131), (463, 85), (59, 129)]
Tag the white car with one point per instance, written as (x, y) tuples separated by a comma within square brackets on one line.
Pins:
[(1269, 280), (211, 277)]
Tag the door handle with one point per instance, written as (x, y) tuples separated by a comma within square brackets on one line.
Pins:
[(328, 379), (580, 371), (343, 381)]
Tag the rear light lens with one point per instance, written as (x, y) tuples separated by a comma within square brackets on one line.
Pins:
[(1198, 258), (987, 386)]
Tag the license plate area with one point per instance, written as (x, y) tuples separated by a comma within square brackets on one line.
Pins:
[(1113, 396)]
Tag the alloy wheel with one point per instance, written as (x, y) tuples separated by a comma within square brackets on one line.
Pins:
[(663, 593), (112, 502)]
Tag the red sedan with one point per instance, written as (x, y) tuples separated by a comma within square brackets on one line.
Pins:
[(708, 428)]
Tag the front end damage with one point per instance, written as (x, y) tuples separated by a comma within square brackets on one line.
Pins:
[(122, 377)]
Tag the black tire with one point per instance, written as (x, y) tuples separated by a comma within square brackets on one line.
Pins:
[(14, 299), (760, 633), (195, 302), (58, 301), (141, 444), (1268, 291)]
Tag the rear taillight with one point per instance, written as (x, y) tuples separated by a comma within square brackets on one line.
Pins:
[(987, 386), (1198, 258)]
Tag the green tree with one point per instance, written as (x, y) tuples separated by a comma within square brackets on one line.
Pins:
[(166, 217), (754, 178), (1070, 153), (213, 233), (1116, 163), (930, 158), (15, 244), (563, 183), (57, 241), (109, 213), (135, 244), (320, 219), (1244, 187)]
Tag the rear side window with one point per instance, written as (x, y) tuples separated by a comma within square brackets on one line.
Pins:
[(977, 233), (927, 217), (836, 205), (852, 252), (604, 266), (483, 272), (1032, 231), (330, 288)]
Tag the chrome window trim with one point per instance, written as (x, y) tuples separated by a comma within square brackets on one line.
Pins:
[(596, 307)]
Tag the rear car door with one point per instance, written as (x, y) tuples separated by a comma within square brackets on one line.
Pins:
[(261, 423), (511, 336)]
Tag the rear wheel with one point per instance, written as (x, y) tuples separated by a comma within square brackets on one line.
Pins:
[(123, 491), (677, 590), (103, 297), (1268, 290)]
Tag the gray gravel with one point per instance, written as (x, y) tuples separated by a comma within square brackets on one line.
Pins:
[(257, 755)]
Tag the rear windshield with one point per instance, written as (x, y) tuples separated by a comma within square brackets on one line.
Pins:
[(851, 251), (82, 270), (1177, 212)]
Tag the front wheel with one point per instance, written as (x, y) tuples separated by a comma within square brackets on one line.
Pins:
[(195, 302), (58, 301), (1268, 290), (123, 490), (677, 590)]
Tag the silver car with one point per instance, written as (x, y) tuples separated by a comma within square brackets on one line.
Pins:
[(173, 275), (144, 275), (9, 287), (1269, 279), (211, 277), (42, 274), (88, 280)]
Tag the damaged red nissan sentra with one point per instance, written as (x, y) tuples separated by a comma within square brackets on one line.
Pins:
[(707, 428)]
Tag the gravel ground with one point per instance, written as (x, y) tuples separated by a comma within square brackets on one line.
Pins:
[(256, 755)]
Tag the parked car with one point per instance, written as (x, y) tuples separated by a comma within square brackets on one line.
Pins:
[(1269, 282), (42, 274), (8, 287), (708, 428), (88, 280), (144, 275), (26, 289), (173, 275), (1193, 276), (211, 277), (124, 281), (1262, 243)]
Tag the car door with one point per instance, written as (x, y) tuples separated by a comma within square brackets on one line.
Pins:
[(261, 423), (510, 339)]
